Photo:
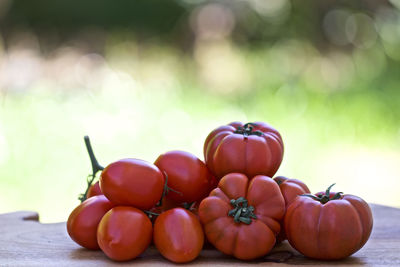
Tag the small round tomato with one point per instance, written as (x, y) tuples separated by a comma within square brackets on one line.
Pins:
[(124, 233), (94, 190), (132, 182), (178, 235), (83, 221), (326, 226), (187, 175)]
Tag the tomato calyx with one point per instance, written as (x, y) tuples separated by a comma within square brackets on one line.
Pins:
[(96, 167), (247, 130), (325, 198), (241, 211)]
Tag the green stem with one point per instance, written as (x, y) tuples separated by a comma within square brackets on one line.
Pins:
[(151, 214), (187, 205), (325, 198), (96, 167), (166, 190)]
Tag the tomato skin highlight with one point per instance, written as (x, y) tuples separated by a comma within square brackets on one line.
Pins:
[(186, 174), (243, 241), (94, 190), (83, 221), (329, 231), (290, 189), (132, 182), (124, 233), (252, 149), (178, 235)]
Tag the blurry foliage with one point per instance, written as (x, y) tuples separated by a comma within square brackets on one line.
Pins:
[(255, 21), (146, 76)]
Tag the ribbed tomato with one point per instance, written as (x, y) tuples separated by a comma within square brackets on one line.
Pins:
[(328, 227), (290, 189), (251, 148), (241, 216)]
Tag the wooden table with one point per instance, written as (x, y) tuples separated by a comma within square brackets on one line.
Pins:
[(26, 242)]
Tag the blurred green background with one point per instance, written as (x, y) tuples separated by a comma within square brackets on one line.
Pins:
[(144, 77)]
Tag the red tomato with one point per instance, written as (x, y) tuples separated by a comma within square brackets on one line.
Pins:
[(132, 182), (328, 227), (290, 189), (94, 190), (186, 174), (124, 233), (178, 235), (83, 221), (251, 148), (241, 216)]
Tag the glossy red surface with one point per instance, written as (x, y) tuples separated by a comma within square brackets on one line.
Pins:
[(329, 231), (186, 174), (83, 221), (226, 151), (178, 235), (94, 190), (124, 233), (132, 182)]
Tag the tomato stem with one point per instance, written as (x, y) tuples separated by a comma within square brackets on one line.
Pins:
[(166, 190), (247, 130), (96, 167), (151, 214), (325, 198), (187, 205), (241, 211)]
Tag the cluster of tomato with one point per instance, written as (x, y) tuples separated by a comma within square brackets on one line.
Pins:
[(230, 200)]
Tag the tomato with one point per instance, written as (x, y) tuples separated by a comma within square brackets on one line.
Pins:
[(132, 182), (178, 235), (94, 190), (241, 216), (290, 189), (124, 233), (251, 149), (187, 175), (328, 227), (83, 221)]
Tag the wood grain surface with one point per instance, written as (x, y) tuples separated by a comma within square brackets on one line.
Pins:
[(26, 242)]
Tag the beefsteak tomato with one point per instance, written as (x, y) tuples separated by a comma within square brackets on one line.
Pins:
[(326, 226), (251, 148), (290, 189), (241, 216)]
